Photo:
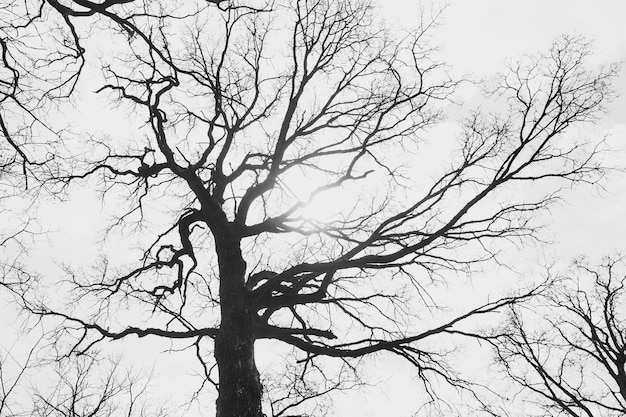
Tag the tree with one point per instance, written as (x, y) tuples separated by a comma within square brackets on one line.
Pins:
[(85, 386), (10, 383), (244, 116), (567, 348), (91, 386)]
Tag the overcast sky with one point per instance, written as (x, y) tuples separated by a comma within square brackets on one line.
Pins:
[(475, 37)]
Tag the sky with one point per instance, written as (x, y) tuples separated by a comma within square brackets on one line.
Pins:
[(475, 37)]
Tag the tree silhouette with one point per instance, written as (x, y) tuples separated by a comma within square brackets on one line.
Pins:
[(571, 358), (243, 117), (84, 386)]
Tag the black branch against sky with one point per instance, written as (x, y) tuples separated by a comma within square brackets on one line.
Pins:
[(567, 347), (230, 104)]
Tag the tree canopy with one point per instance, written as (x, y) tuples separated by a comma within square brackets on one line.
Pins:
[(567, 348), (233, 121)]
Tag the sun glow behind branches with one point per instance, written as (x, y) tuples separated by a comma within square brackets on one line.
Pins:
[(328, 205), (323, 200)]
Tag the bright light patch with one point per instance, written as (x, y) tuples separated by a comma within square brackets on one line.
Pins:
[(321, 199), (328, 206)]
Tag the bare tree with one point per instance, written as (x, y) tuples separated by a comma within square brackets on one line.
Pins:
[(246, 115), (568, 347), (11, 377), (87, 386), (83, 386)]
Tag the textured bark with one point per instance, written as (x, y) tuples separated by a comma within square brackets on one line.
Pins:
[(240, 386)]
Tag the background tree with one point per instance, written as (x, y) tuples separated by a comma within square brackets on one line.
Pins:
[(91, 387), (567, 347), (10, 381), (242, 118), (77, 386)]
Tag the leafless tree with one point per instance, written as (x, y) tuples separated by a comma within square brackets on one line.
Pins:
[(568, 347), (90, 387), (11, 377), (83, 386), (244, 116)]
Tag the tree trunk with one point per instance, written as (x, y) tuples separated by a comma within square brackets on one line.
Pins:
[(239, 383)]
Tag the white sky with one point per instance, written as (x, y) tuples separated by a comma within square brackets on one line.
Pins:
[(475, 37)]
